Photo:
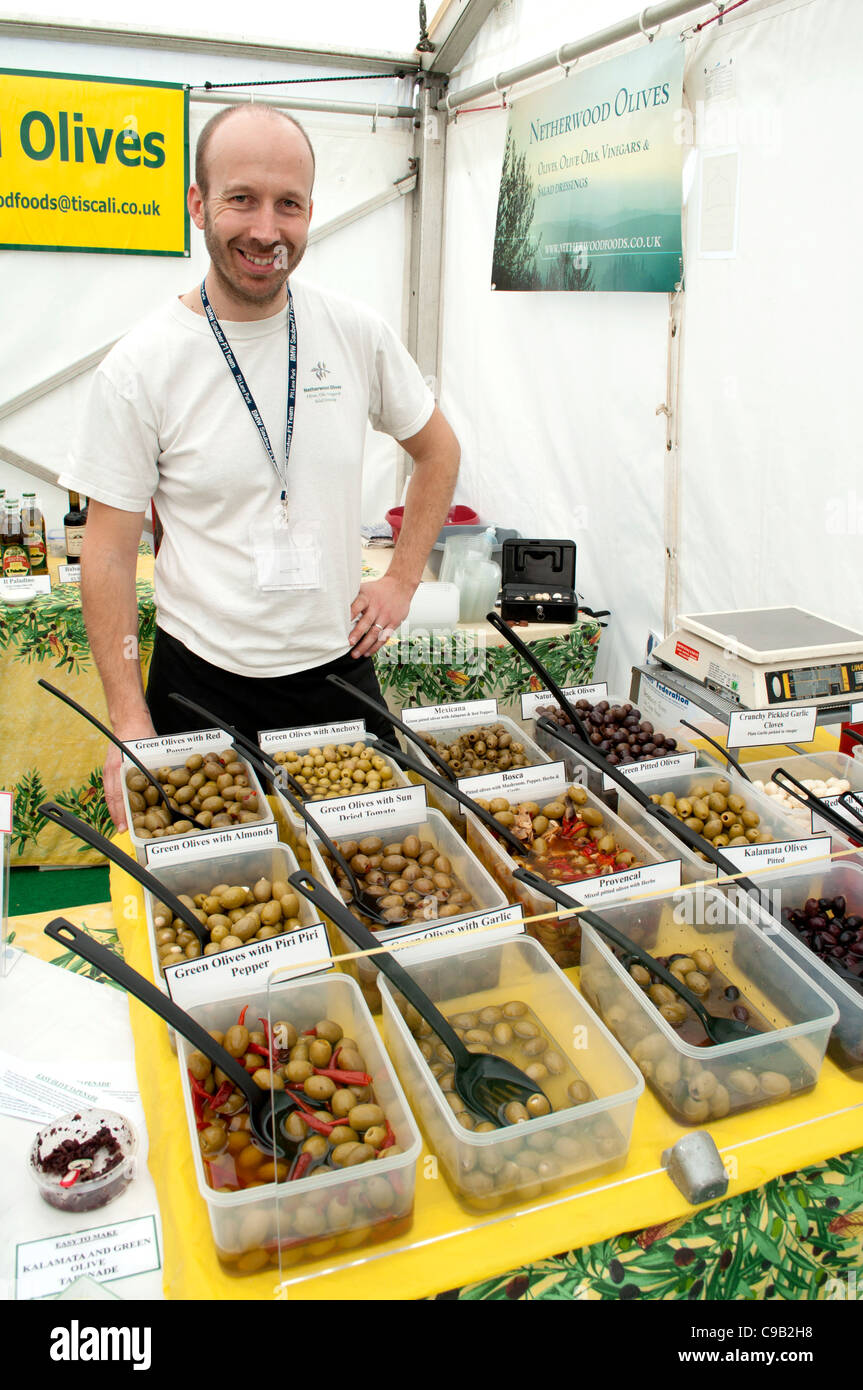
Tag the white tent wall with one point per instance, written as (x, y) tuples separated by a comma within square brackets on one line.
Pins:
[(555, 395), (59, 306)]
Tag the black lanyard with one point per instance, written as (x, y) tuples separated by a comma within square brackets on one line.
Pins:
[(246, 393)]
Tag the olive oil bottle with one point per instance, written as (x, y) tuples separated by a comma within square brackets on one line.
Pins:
[(73, 523), (14, 558), (33, 527)]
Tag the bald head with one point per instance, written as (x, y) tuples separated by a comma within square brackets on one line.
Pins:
[(246, 113)]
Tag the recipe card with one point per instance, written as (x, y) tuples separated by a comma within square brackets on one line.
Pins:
[(104, 1253)]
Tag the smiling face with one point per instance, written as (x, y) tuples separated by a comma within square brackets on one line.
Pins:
[(255, 213)]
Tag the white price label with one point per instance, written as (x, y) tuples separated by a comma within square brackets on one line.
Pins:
[(778, 852), (179, 745), (208, 979), (178, 849), (104, 1253), (651, 768), (856, 800), (465, 712), (5, 813), (532, 699), (628, 883), (18, 583), (508, 920), (856, 713), (341, 815), (748, 728), (521, 784), (313, 734), (69, 574)]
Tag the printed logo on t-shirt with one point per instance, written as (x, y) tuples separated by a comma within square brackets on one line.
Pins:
[(325, 390)]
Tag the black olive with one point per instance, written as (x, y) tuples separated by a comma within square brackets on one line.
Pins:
[(839, 906), (732, 992)]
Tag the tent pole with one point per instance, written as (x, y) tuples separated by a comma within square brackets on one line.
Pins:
[(648, 19), (426, 248)]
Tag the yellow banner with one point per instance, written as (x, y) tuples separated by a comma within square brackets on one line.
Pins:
[(93, 164)]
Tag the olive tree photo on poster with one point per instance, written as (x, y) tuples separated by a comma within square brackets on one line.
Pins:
[(590, 190)]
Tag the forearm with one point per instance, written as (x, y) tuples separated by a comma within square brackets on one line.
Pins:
[(110, 608)]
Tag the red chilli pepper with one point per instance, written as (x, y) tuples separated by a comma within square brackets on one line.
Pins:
[(200, 1097), (390, 1139), (242, 1019), (261, 1051), (301, 1167), (70, 1181), (345, 1078), (225, 1090)]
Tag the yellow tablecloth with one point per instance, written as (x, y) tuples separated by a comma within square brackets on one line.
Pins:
[(47, 751), (446, 1246)]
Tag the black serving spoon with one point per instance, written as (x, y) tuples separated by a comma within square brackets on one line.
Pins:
[(487, 1084), (267, 766), (534, 662), (267, 1108), (682, 832), (406, 761), (173, 812), (718, 1030), (792, 787), (67, 821), (720, 748), (440, 763)]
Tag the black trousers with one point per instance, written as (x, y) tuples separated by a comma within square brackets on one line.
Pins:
[(255, 703)]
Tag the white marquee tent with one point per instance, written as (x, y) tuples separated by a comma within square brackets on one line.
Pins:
[(709, 467)]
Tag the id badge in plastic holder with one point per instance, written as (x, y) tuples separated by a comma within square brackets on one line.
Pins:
[(287, 555)]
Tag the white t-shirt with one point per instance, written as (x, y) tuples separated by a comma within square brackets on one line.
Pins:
[(165, 420)]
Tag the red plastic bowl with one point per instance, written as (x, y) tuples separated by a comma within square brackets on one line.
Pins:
[(456, 516)]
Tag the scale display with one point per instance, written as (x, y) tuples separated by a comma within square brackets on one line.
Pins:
[(763, 657)]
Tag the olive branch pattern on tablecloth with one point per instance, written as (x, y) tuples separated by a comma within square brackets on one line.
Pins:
[(799, 1237), (448, 667)]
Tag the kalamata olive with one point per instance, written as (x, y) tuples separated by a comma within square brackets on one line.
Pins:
[(838, 905)]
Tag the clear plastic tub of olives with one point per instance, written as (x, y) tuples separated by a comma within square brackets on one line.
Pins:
[(475, 750), (721, 952), (421, 874), (727, 810), (569, 836), (239, 897), (816, 916), (211, 787), (350, 1180), (509, 998), (617, 728), (327, 768)]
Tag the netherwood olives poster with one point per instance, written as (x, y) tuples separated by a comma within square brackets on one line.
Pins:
[(93, 164), (590, 194)]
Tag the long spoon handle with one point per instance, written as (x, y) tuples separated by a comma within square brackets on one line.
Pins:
[(533, 661), (67, 821), (152, 998), (360, 935), (118, 743), (440, 763), (406, 761)]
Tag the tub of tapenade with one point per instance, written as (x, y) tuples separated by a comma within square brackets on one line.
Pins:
[(348, 1179), (84, 1160), (527, 1011), (721, 952)]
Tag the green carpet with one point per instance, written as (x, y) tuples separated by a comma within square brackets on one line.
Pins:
[(38, 890)]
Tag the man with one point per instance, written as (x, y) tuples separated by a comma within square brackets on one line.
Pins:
[(257, 578)]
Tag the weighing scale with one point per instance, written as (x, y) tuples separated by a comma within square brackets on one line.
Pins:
[(760, 658)]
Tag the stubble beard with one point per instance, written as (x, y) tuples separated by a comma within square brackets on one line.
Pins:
[(220, 261)]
